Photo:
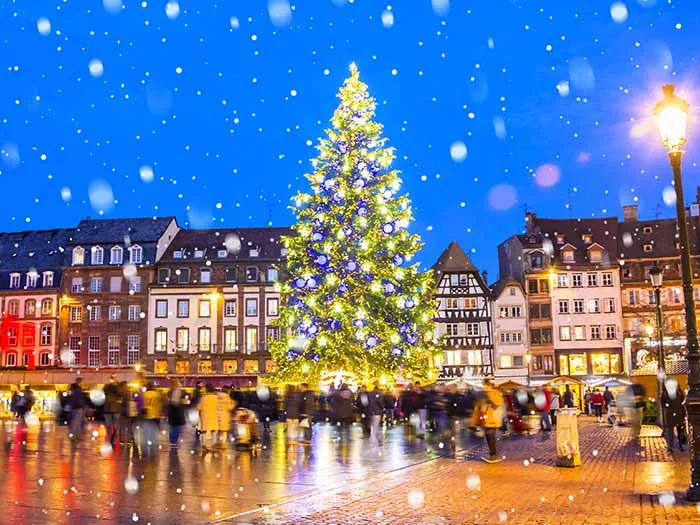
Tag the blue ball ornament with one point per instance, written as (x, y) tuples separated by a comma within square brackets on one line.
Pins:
[(291, 354), (334, 324), (389, 228), (322, 259), (359, 323), (312, 282), (317, 236), (359, 183), (409, 303), (398, 260), (371, 341), (315, 357), (389, 288), (396, 351), (300, 282), (342, 289), (352, 266)]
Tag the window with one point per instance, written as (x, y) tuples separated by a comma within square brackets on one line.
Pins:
[(251, 307), (564, 365), (565, 333), (230, 366), (76, 285), (633, 297), (610, 331), (45, 359), (183, 339), (273, 307), (451, 329), (204, 308), (94, 350), (540, 311), (161, 308), (250, 366), (563, 306), (76, 314), (115, 284), (204, 339), (532, 286), (472, 329), (512, 291), (251, 339), (230, 275), (98, 255), (12, 336), (580, 333), (577, 280), (183, 275), (47, 307), (560, 238), (594, 306), (544, 285), (273, 333), (205, 276), (183, 307), (587, 238), (272, 275), (609, 305), (94, 312), (46, 335), (541, 336), (251, 274), (474, 357), (595, 332), (578, 306), (74, 344), (595, 255), (511, 337), (254, 252), (48, 279), (600, 363), (160, 366), (15, 279), (469, 303), (135, 284), (11, 359), (177, 254), (30, 308), (511, 311), (627, 272), (32, 278), (204, 366), (548, 364), (452, 303), (163, 275), (648, 248), (222, 253), (512, 361), (95, 284), (230, 339), (567, 256), (577, 365), (113, 350), (133, 349), (536, 260), (562, 280), (134, 312), (676, 295), (13, 308), (230, 308), (78, 256), (28, 335), (116, 255), (592, 279), (182, 367), (114, 312), (135, 254), (161, 339), (199, 254), (607, 279)]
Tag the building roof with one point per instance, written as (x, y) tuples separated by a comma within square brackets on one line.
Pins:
[(499, 286), (453, 259), (41, 250), (673, 367), (114, 231), (236, 241), (660, 234)]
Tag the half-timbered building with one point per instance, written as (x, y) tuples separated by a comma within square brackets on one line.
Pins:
[(463, 321)]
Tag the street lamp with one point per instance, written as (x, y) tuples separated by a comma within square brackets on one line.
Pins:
[(656, 274), (671, 115)]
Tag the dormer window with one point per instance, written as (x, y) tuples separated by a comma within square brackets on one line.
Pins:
[(97, 255), (78, 256), (647, 229), (135, 254), (587, 238), (177, 254), (560, 238), (15, 280), (199, 254), (222, 253), (536, 260), (254, 252), (251, 274), (567, 256), (32, 278), (647, 248), (48, 279), (116, 255)]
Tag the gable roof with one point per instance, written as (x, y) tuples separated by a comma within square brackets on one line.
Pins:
[(453, 259), (499, 287), (663, 238), (114, 231), (38, 249)]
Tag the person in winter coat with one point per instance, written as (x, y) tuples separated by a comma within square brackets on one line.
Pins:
[(292, 405), (224, 408), (176, 412), (389, 402), (568, 397), (375, 407), (597, 402), (674, 417), (343, 409), (553, 407), (543, 402), (152, 412), (362, 407), (307, 410), (112, 410), (78, 404), (490, 408), (208, 417), (608, 397)]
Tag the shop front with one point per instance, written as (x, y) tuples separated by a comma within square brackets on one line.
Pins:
[(598, 362), (645, 350)]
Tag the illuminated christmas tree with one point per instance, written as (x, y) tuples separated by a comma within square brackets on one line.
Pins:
[(354, 302)]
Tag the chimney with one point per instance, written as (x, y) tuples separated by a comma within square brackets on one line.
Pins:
[(529, 221), (485, 276), (629, 213)]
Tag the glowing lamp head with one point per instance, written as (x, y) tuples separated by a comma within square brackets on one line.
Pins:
[(649, 329), (656, 274), (671, 115)]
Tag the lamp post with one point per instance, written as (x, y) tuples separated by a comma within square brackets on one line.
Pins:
[(671, 115), (656, 274)]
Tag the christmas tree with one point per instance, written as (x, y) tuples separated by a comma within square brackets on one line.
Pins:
[(354, 302)]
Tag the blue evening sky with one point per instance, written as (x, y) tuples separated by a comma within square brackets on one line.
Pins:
[(209, 111)]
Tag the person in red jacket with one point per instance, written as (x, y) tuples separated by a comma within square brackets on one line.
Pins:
[(543, 402), (597, 400)]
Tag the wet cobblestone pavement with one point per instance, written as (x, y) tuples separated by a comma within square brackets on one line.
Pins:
[(347, 481)]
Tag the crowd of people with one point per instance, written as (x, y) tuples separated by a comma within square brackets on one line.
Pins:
[(223, 417)]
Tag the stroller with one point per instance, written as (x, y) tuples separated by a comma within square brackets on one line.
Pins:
[(247, 435)]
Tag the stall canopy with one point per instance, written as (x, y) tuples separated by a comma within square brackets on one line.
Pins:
[(214, 380), (510, 385), (612, 382), (564, 380)]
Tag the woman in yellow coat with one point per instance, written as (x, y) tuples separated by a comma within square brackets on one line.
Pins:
[(490, 411), (208, 417), (224, 408)]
